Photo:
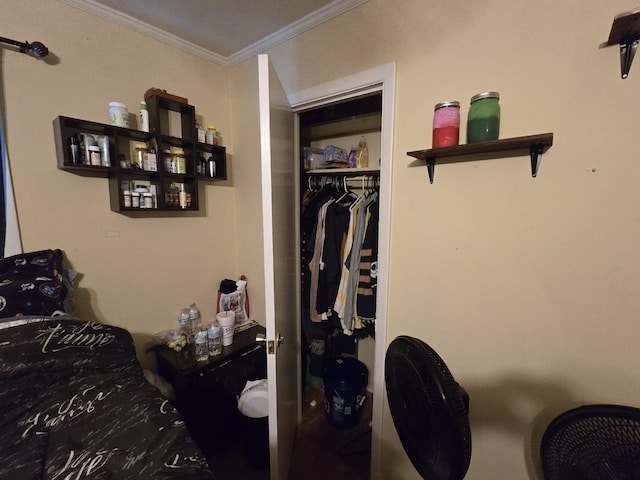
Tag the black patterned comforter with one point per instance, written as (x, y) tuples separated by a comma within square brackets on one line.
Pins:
[(75, 405)]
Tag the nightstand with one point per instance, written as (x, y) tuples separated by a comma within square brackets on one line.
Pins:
[(207, 392)]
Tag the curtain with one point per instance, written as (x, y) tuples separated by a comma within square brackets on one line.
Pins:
[(10, 243)]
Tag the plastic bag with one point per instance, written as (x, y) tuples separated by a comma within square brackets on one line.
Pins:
[(233, 296)]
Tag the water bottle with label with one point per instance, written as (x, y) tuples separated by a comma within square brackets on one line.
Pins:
[(194, 318), (200, 339), (184, 324), (213, 338)]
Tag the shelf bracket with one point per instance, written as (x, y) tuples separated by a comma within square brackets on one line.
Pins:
[(627, 52), (625, 32), (535, 150), (431, 168)]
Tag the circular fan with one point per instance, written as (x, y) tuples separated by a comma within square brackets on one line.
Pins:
[(429, 410), (593, 442)]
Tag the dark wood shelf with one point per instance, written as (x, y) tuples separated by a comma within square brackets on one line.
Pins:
[(121, 139), (534, 145)]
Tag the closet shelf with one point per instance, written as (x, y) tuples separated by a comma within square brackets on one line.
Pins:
[(342, 171), (535, 145)]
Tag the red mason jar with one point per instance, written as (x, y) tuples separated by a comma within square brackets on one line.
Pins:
[(446, 124)]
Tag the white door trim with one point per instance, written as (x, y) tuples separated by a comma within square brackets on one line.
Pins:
[(378, 79)]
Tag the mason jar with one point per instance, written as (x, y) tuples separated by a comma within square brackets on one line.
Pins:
[(446, 124), (483, 123)]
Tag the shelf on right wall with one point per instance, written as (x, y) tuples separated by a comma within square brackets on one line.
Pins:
[(535, 145)]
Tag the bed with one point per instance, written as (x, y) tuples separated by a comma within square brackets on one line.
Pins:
[(74, 401)]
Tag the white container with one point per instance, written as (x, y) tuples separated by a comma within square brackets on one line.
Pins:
[(201, 134), (148, 200), (135, 199), (94, 156), (254, 399), (118, 114), (226, 320)]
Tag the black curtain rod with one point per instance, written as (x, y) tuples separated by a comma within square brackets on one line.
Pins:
[(37, 48)]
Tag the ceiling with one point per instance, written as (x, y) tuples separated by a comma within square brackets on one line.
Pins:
[(224, 31)]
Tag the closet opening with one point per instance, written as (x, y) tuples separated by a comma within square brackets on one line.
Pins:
[(338, 248)]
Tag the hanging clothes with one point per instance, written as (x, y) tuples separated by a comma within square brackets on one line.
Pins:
[(339, 249)]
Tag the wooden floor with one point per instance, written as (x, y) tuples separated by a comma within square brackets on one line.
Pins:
[(325, 452), (322, 451)]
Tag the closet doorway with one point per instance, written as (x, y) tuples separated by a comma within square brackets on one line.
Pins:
[(339, 114)]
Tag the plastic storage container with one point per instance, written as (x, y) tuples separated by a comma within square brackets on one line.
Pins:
[(345, 381), (118, 114), (483, 122), (253, 404)]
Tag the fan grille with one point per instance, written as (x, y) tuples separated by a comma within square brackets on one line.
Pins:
[(428, 410), (595, 442)]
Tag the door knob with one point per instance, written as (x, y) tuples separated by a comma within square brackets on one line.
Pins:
[(271, 345)]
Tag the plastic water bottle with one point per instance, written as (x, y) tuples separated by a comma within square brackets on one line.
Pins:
[(194, 318), (213, 338), (202, 350), (185, 325)]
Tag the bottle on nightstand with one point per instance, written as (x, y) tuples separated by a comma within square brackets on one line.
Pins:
[(184, 325), (194, 318), (200, 339), (213, 338)]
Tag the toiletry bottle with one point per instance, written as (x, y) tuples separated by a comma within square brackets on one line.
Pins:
[(144, 117), (362, 155)]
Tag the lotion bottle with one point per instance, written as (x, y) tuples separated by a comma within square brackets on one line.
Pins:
[(144, 117)]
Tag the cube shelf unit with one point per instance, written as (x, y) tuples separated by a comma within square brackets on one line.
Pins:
[(121, 140)]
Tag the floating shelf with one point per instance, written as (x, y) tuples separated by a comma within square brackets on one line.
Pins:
[(534, 145)]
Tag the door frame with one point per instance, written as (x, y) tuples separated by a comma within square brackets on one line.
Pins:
[(378, 79)]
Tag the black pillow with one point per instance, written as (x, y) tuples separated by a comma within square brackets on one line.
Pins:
[(32, 284)]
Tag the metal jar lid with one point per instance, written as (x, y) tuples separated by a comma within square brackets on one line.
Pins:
[(482, 95), (453, 103)]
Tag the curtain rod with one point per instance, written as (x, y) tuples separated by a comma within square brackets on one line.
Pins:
[(38, 49)]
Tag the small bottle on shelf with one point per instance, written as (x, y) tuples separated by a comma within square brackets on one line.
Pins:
[(362, 155), (201, 133), (144, 117), (183, 196), (211, 136)]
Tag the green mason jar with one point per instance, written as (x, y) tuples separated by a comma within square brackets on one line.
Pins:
[(483, 123)]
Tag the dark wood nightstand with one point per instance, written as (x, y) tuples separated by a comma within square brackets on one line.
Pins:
[(207, 392)]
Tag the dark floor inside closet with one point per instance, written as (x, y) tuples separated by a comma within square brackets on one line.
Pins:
[(321, 452)]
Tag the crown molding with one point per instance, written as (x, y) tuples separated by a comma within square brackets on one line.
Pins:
[(329, 11)]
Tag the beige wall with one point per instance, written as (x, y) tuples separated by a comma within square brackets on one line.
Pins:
[(526, 287), (137, 273)]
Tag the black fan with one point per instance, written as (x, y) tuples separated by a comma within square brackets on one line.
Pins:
[(593, 442), (429, 410)]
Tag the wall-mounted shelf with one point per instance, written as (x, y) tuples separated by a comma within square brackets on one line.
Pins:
[(202, 162), (534, 145)]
